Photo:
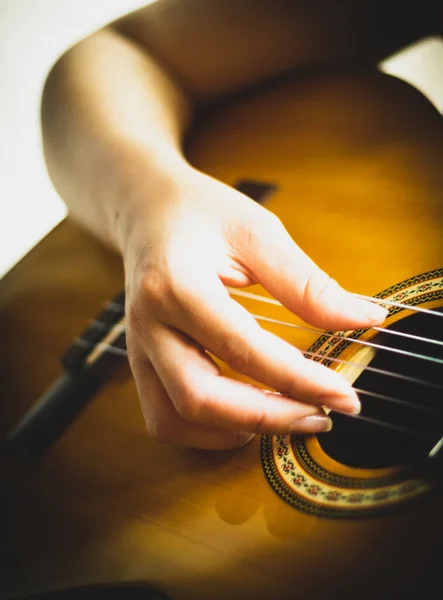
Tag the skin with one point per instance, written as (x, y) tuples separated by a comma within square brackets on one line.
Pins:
[(115, 112)]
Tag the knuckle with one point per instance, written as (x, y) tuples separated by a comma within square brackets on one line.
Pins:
[(154, 287), (164, 287), (262, 222), (159, 293), (187, 403), (149, 298), (160, 430), (236, 353), (288, 388), (316, 285), (274, 223), (258, 425)]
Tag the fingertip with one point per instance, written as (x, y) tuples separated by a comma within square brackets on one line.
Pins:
[(343, 402), (336, 308), (243, 438), (338, 393), (368, 311), (348, 404), (312, 424)]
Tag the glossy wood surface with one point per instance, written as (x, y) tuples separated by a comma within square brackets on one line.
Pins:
[(358, 159)]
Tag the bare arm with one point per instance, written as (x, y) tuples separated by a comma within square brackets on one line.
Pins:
[(113, 118), (113, 121)]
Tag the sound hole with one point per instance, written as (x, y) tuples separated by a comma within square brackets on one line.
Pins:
[(360, 444)]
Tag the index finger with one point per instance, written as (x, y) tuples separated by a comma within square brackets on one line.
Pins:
[(208, 315)]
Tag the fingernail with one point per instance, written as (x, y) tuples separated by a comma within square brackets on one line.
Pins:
[(349, 404), (241, 438), (312, 424), (372, 311)]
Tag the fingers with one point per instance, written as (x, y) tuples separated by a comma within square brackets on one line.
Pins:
[(298, 283), (163, 422), (187, 401), (201, 395), (210, 317)]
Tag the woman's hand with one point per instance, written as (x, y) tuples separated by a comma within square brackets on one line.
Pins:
[(179, 253)]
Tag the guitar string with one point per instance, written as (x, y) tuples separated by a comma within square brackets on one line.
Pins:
[(99, 325), (120, 328), (351, 340), (377, 422), (252, 296), (377, 370), (410, 336), (399, 428), (122, 352), (402, 305), (316, 355), (435, 451), (420, 407), (114, 306)]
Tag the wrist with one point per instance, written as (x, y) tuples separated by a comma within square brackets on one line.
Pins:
[(141, 183)]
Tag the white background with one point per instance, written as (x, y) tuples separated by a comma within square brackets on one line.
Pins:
[(33, 34)]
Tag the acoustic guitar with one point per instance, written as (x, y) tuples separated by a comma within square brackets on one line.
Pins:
[(353, 165)]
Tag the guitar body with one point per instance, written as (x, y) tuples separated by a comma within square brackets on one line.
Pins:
[(357, 165)]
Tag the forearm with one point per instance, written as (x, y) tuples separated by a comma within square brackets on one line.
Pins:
[(113, 123)]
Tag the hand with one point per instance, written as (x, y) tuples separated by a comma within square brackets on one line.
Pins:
[(199, 236)]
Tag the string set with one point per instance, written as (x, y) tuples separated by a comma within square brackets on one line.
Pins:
[(340, 335)]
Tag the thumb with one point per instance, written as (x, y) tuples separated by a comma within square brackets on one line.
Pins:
[(287, 273)]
